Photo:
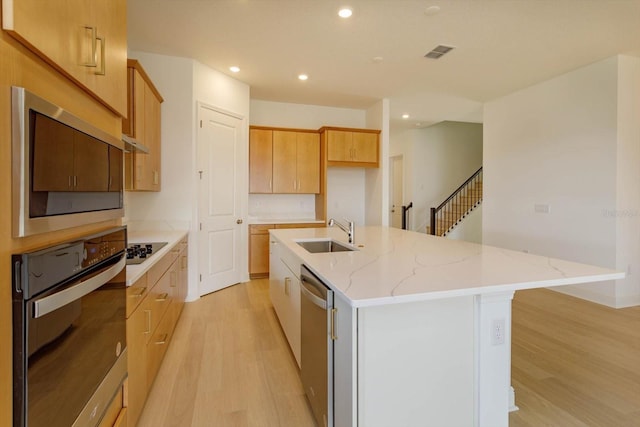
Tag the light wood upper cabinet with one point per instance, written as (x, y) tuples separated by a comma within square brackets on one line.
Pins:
[(260, 161), (284, 161), (285, 178), (143, 124), (308, 162), (357, 147), (86, 41)]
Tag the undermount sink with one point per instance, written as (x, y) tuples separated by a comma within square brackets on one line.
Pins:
[(322, 246)]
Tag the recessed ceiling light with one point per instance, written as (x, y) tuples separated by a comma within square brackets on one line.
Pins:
[(303, 77), (431, 10), (345, 12), (234, 69), (377, 59), (405, 116)]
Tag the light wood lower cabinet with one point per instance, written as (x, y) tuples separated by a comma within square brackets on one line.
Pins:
[(154, 304), (284, 291), (259, 246)]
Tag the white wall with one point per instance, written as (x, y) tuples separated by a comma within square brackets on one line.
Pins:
[(437, 160), (183, 83), (559, 143), (377, 202), (345, 186)]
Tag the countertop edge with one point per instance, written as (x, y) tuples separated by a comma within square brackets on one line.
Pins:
[(173, 237)]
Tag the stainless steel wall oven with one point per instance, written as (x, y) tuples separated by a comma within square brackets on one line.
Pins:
[(69, 331), (65, 172)]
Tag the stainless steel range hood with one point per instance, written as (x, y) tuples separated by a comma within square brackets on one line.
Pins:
[(132, 145)]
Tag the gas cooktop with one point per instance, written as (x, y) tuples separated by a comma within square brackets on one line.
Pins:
[(137, 253)]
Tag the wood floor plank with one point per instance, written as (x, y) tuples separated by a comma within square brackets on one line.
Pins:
[(229, 364), (574, 362)]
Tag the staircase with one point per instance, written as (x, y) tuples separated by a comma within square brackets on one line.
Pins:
[(458, 205)]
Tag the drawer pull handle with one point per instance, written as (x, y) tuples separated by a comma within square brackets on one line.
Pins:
[(162, 340), (148, 331), (162, 297), (173, 279), (141, 292), (103, 60)]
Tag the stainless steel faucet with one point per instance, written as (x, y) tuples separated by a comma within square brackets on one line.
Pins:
[(349, 228)]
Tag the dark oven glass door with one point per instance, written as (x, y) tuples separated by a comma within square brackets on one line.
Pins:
[(71, 344)]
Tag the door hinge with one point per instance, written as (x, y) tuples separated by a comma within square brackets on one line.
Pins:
[(200, 123), (201, 277), (200, 226)]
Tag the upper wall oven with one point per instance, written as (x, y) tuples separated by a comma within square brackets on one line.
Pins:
[(66, 172)]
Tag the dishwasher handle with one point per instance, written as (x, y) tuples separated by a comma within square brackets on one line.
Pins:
[(306, 289)]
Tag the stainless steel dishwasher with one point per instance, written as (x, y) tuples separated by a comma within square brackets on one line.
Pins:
[(317, 330)]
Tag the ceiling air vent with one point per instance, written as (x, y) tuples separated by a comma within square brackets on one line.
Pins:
[(438, 52)]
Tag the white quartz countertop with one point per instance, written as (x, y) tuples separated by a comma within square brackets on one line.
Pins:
[(172, 237), (394, 266)]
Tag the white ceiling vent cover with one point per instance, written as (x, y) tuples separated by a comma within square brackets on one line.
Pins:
[(438, 51)]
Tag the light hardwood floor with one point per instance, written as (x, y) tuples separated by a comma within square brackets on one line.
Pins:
[(574, 363), (228, 365)]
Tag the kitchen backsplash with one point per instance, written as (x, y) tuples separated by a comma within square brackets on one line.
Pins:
[(282, 206)]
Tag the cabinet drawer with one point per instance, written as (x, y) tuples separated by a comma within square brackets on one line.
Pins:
[(160, 297), (158, 270), (157, 346), (136, 293)]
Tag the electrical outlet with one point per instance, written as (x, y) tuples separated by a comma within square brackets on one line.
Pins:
[(542, 208), (497, 331)]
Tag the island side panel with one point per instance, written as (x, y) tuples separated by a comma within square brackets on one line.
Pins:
[(416, 364), (493, 358), (345, 364)]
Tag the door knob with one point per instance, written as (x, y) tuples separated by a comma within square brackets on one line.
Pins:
[(238, 221)]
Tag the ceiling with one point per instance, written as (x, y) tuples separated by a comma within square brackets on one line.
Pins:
[(500, 46)]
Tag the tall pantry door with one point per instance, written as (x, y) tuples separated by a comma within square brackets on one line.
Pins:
[(219, 205)]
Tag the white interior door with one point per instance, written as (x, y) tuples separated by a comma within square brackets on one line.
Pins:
[(219, 203), (396, 191)]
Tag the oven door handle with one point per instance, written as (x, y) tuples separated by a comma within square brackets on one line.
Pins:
[(60, 299)]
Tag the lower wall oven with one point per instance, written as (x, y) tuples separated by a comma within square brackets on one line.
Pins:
[(69, 331)]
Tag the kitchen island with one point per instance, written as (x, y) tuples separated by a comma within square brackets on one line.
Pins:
[(423, 322)]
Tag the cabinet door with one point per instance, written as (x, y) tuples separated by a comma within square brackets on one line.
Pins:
[(308, 162), (284, 162), (143, 124), (339, 145), (258, 254), (62, 34), (152, 136), (277, 273), (91, 164), (138, 330), (260, 161), (365, 147), (109, 76)]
